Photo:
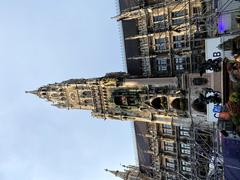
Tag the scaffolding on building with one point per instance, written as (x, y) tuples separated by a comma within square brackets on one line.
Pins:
[(206, 160)]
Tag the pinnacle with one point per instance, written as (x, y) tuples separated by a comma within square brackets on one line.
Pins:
[(32, 92)]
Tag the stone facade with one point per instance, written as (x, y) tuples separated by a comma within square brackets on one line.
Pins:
[(163, 38), (118, 96)]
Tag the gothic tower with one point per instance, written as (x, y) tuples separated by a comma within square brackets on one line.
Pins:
[(130, 173), (118, 96), (71, 94)]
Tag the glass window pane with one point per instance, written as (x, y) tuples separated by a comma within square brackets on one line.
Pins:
[(185, 146), (184, 128), (184, 133), (178, 21), (179, 13), (167, 126), (185, 151), (167, 131), (158, 18)]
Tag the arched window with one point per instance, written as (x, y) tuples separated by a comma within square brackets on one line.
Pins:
[(54, 95), (180, 104), (160, 103), (44, 94), (199, 106)]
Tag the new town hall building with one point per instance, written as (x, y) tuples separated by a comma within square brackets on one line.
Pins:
[(164, 46)]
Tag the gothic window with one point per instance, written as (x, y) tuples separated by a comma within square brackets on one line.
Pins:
[(185, 163), (179, 67), (167, 129), (178, 45), (162, 65), (161, 44), (180, 104), (199, 105), (170, 177), (185, 149), (187, 169), (184, 128), (180, 41), (158, 18), (179, 13), (168, 126), (180, 60), (159, 23), (185, 146), (184, 131), (178, 21), (186, 166), (171, 163), (169, 146), (179, 38), (196, 10), (160, 103)]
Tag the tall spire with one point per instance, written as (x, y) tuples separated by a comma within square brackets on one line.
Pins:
[(35, 92), (120, 174), (130, 173)]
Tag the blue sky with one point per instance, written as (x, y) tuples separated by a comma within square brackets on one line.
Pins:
[(50, 41)]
